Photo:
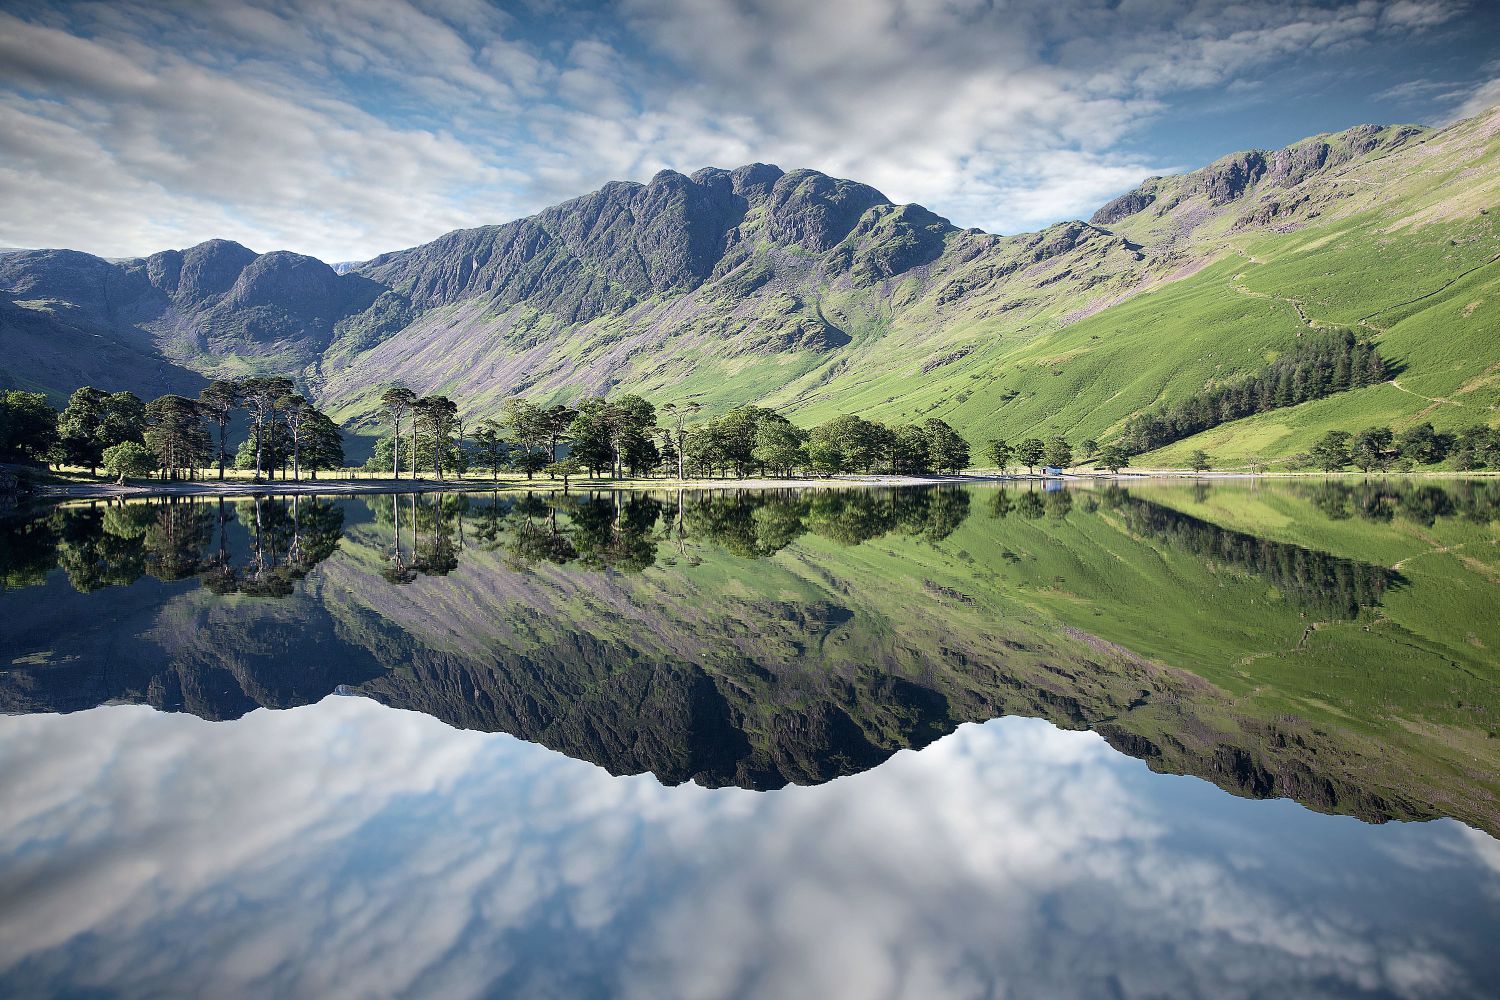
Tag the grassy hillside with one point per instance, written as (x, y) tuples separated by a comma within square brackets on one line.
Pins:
[(1406, 256)]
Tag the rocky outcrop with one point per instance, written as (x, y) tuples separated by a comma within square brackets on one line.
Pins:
[(1240, 175), (1126, 205)]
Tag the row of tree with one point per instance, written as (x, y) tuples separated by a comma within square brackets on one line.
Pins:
[(1320, 365), (1056, 452), (1379, 448), (629, 435), (171, 434)]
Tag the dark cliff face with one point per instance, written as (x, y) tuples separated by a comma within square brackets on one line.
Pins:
[(94, 290), (608, 250), (200, 273), (1126, 205), (815, 211)]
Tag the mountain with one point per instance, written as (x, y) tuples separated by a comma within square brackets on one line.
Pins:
[(819, 295)]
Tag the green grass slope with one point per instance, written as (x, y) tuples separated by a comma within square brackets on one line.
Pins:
[(1404, 250)]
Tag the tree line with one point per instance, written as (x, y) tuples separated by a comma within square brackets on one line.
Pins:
[(1381, 449), (173, 436), (1320, 365), (1055, 452), (628, 435)]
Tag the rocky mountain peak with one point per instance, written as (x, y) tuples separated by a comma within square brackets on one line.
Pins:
[(1236, 176), (207, 270)]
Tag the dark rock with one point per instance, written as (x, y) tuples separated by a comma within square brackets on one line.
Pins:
[(1126, 205), (815, 211), (1230, 177)]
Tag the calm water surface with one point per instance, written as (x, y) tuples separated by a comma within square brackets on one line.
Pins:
[(1168, 740)]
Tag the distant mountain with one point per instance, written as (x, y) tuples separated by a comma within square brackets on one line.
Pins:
[(819, 295)]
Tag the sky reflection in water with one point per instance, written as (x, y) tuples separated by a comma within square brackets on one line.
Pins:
[(346, 849)]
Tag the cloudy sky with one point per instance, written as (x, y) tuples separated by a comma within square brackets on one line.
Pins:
[(343, 128)]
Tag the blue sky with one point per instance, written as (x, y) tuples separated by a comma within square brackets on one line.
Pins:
[(343, 128)]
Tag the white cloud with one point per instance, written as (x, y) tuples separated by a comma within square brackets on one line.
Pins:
[(346, 127), (1482, 99)]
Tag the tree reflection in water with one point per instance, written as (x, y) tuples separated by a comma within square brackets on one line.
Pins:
[(262, 546)]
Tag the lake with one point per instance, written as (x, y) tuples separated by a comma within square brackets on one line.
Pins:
[(1158, 739)]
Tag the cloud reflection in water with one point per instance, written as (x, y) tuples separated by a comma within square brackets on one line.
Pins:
[(346, 849)]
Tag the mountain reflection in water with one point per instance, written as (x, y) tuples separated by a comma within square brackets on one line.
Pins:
[(765, 638)]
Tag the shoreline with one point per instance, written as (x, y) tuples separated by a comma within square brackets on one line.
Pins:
[(337, 487)]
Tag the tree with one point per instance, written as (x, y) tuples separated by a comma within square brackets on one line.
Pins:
[(217, 402), (1058, 453), (397, 400), (78, 428), (1423, 445), (94, 420), (1030, 453), (779, 445), (1200, 461), (437, 415), (128, 460), (1114, 457), (735, 434), (28, 426), (678, 415), (592, 435), (274, 450), (1332, 451), (1090, 447), (846, 444), (529, 427), (702, 449), (1372, 448), (323, 446), (1000, 453), (629, 420), (946, 450), (124, 419), (294, 410), (259, 396), (1477, 447), (557, 419), (909, 450), (175, 434), (490, 447)]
